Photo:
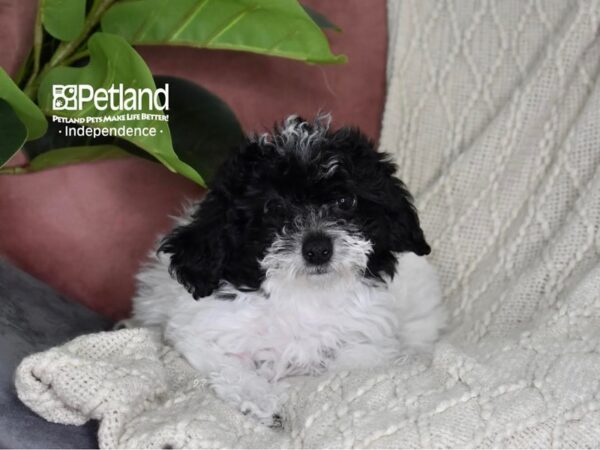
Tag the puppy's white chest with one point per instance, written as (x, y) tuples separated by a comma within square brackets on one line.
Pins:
[(292, 332), (293, 348), (299, 328)]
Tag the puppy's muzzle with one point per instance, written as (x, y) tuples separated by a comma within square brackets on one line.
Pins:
[(317, 249)]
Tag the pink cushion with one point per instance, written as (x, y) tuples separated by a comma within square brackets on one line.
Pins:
[(85, 229)]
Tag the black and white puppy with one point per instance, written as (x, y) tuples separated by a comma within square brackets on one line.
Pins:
[(306, 256)]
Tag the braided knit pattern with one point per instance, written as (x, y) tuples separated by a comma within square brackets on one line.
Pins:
[(493, 115)]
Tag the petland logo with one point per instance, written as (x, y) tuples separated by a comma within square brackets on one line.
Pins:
[(76, 97)]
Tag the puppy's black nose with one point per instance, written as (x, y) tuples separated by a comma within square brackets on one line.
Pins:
[(317, 248)]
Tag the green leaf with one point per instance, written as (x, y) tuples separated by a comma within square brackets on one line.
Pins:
[(20, 118), (113, 62), (25, 109), (203, 127), (271, 27), (63, 19), (320, 19), (75, 155), (13, 133)]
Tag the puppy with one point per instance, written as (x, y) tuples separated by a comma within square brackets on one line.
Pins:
[(305, 256)]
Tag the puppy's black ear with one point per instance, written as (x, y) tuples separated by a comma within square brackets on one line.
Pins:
[(406, 234), (375, 175), (200, 249), (405, 230)]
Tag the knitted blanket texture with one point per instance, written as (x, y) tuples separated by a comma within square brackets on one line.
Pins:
[(493, 115)]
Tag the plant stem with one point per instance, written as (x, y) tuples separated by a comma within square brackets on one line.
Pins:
[(64, 53), (23, 70), (15, 170), (76, 57), (38, 40)]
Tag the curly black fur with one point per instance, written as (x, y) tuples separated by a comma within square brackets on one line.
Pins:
[(274, 178)]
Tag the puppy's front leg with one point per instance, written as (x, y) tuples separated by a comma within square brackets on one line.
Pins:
[(236, 381), (249, 392)]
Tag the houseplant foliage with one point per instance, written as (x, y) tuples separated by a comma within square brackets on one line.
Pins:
[(78, 42)]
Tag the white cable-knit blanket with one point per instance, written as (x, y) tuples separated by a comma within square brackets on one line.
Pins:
[(493, 114)]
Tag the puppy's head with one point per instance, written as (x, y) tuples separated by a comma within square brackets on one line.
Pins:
[(301, 203)]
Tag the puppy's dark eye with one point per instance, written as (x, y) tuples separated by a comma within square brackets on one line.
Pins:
[(274, 206), (346, 203)]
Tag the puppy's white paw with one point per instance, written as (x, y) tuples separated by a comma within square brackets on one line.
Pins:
[(251, 394), (265, 411)]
